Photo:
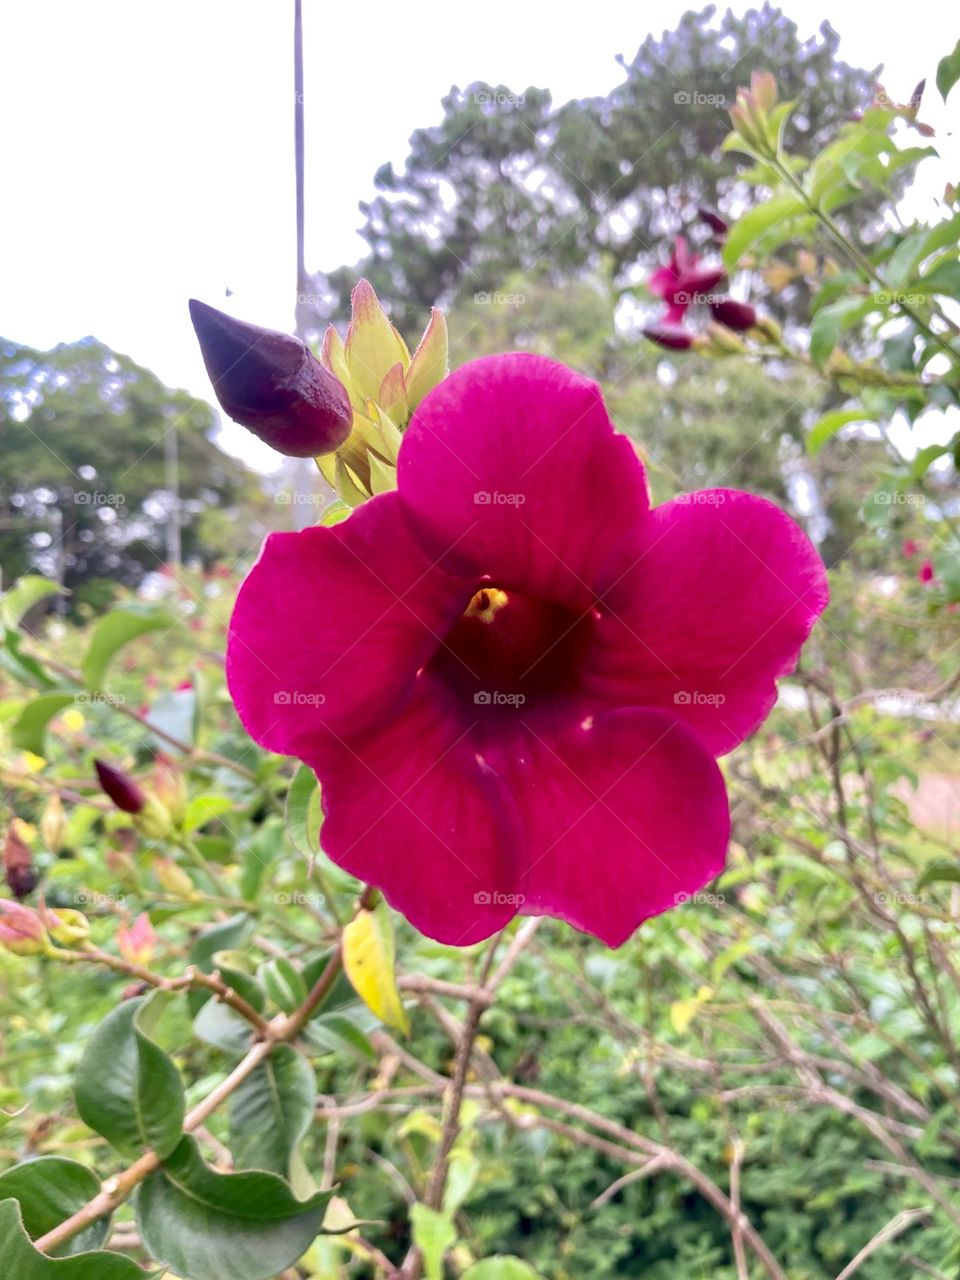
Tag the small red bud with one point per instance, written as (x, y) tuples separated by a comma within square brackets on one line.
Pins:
[(713, 220), (735, 315), (121, 788), (673, 337), (273, 384)]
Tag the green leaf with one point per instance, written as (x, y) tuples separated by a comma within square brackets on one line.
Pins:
[(502, 1268), (283, 983), (746, 233), (28, 732), (23, 595), (219, 1025), (220, 937), (948, 72), (938, 872), (21, 1261), (204, 809), (271, 1111), (127, 1089), (832, 321), (116, 630), (339, 1033), (304, 814), (433, 1234), (463, 1170), (829, 425), (224, 1226), (50, 1190)]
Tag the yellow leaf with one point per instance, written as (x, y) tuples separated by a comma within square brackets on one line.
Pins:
[(73, 719), (368, 959), (683, 1012)]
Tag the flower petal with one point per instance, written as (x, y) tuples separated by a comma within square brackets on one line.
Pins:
[(719, 593), (511, 468), (623, 817), (331, 626), (412, 810)]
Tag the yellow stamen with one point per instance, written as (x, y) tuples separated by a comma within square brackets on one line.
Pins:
[(486, 604)]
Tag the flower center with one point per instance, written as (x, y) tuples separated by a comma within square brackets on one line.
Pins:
[(507, 648)]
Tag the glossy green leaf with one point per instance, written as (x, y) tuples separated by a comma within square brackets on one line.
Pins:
[(116, 630), (21, 1261), (271, 1111), (51, 1189), (27, 591), (28, 732), (283, 983), (128, 1090), (224, 1226)]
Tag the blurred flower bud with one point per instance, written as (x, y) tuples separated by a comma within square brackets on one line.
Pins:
[(173, 878), (769, 329), (67, 926), (672, 337), (169, 786), (739, 316), (18, 869), (138, 943), (721, 341), (120, 787), (21, 930), (53, 824), (926, 572), (272, 383)]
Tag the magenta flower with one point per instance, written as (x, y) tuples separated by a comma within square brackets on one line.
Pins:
[(683, 281), (510, 674)]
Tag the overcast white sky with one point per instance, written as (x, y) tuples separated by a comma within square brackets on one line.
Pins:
[(147, 147)]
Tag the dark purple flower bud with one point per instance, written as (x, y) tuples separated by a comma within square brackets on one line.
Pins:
[(273, 384), (696, 286), (735, 315), (18, 868), (121, 788), (671, 336), (713, 220)]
